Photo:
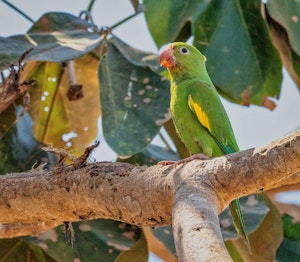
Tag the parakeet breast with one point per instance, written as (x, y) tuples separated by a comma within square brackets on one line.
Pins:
[(195, 136)]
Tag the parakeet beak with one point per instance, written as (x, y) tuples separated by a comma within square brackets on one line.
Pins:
[(167, 58)]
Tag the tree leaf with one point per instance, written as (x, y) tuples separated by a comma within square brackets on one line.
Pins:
[(150, 156), (55, 37), (57, 120), (241, 60), (290, 60), (133, 98), (289, 249), (92, 240), (233, 251), (166, 20), (161, 246), (254, 210), (19, 150), (16, 249), (165, 235), (265, 240), (138, 57), (287, 13), (138, 253)]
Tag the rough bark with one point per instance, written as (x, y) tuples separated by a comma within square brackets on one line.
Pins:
[(145, 196)]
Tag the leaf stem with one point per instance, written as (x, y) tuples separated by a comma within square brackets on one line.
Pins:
[(164, 140), (125, 20), (18, 11), (90, 6)]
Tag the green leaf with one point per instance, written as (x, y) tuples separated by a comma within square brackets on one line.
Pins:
[(138, 57), (265, 240), (138, 253), (233, 251), (92, 240), (166, 19), (165, 235), (241, 59), (134, 99), (254, 211), (19, 150), (287, 13), (291, 228), (150, 156), (16, 249), (55, 37), (289, 249), (54, 115)]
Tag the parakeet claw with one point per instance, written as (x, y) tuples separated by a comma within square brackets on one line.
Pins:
[(185, 160)]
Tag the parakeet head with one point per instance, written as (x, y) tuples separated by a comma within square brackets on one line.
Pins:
[(181, 58)]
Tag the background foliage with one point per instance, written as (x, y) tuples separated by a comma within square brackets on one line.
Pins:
[(246, 44)]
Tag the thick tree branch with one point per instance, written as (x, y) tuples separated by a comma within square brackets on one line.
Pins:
[(145, 196), (196, 227), (117, 191)]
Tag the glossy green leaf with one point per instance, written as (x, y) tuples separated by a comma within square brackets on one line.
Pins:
[(96, 240), (287, 13), (166, 19), (134, 99), (254, 210), (137, 57), (289, 249), (150, 156), (18, 250), (241, 60), (55, 37), (19, 150)]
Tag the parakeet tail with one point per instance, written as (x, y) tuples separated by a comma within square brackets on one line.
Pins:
[(238, 220)]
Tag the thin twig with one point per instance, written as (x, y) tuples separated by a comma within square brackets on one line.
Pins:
[(18, 11), (124, 20), (90, 6), (106, 30)]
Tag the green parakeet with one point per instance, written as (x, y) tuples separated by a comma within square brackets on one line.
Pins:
[(198, 113)]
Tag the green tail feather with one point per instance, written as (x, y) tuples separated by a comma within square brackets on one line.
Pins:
[(234, 206), (238, 221)]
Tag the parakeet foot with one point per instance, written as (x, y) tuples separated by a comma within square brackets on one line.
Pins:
[(185, 160)]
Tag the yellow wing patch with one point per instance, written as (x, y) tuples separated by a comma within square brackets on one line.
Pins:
[(200, 114)]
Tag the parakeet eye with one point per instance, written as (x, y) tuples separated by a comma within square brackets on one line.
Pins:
[(183, 50)]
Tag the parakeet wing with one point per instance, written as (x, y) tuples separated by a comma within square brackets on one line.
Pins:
[(205, 103), (207, 107)]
